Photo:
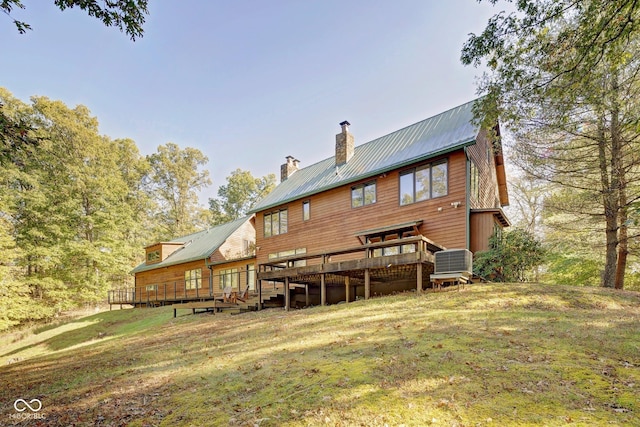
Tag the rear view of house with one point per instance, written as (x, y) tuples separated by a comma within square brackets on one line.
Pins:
[(365, 221), (368, 220)]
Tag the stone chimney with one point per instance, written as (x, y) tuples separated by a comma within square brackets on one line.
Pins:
[(344, 144), (287, 169)]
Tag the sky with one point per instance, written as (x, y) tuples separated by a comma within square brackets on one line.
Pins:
[(249, 82)]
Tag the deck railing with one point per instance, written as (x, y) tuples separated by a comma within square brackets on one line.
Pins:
[(181, 290)]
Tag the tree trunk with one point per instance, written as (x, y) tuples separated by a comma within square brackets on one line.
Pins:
[(618, 181), (609, 201)]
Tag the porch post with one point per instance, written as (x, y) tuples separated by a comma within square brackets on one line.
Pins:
[(259, 294), (287, 296), (367, 284), (347, 285), (323, 290), (306, 295), (419, 278)]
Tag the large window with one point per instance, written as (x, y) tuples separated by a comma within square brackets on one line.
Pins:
[(424, 182), (276, 223), (229, 277), (364, 194), (193, 278)]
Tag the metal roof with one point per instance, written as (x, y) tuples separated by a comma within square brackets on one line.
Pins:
[(439, 134), (196, 246)]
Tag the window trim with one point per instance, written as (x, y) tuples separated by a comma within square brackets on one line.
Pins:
[(306, 210), (363, 186), (190, 280), (412, 172), (281, 229)]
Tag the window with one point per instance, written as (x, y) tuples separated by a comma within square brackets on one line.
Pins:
[(193, 278), (276, 223), (229, 277), (151, 288), (251, 276), (153, 256), (306, 210), (474, 181), (364, 194), (424, 182), (290, 253)]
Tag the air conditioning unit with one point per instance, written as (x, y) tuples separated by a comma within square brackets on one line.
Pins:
[(453, 261)]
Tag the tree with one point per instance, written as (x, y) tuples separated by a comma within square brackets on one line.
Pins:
[(511, 257), (127, 15), (564, 77), (240, 194), (175, 181)]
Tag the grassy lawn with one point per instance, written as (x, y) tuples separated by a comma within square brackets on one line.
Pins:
[(496, 355)]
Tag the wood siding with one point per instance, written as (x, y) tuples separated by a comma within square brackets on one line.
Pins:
[(333, 223), (481, 154), (482, 226), (171, 278), (233, 247)]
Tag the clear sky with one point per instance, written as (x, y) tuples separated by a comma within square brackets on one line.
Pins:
[(249, 82)]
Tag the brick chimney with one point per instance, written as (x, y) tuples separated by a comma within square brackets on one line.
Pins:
[(287, 169), (344, 144)]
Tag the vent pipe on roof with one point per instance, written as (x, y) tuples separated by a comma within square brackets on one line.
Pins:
[(287, 169), (345, 145)]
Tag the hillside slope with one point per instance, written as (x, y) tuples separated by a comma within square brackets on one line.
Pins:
[(488, 355)]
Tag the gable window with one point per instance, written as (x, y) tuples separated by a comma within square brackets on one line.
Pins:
[(424, 182), (363, 194), (474, 185), (306, 210), (193, 278), (276, 223)]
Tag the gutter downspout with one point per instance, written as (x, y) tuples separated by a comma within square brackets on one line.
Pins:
[(210, 267)]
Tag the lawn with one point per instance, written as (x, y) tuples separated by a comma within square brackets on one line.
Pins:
[(497, 355)]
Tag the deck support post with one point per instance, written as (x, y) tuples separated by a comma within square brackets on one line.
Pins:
[(323, 290), (347, 285), (259, 294), (287, 296), (419, 278), (367, 284), (306, 295)]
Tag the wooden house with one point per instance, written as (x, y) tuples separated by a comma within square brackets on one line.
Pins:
[(368, 220), (196, 267)]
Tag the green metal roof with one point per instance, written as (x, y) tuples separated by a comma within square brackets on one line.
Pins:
[(196, 246), (437, 135)]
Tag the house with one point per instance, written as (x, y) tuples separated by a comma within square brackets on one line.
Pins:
[(196, 267), (368, 220)]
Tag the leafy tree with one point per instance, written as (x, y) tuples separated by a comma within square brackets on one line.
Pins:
[(72, 211), (175, 179), (240, 194), (511, 257), (127, 15), (564, 77)]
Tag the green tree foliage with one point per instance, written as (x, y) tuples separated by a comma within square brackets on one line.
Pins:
[(240, 194), (564, 77), (175, 179), (511, 258), (127, 15), (72, 209)]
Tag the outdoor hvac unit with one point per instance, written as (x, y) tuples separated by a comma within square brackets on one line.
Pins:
[(453, 261)]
